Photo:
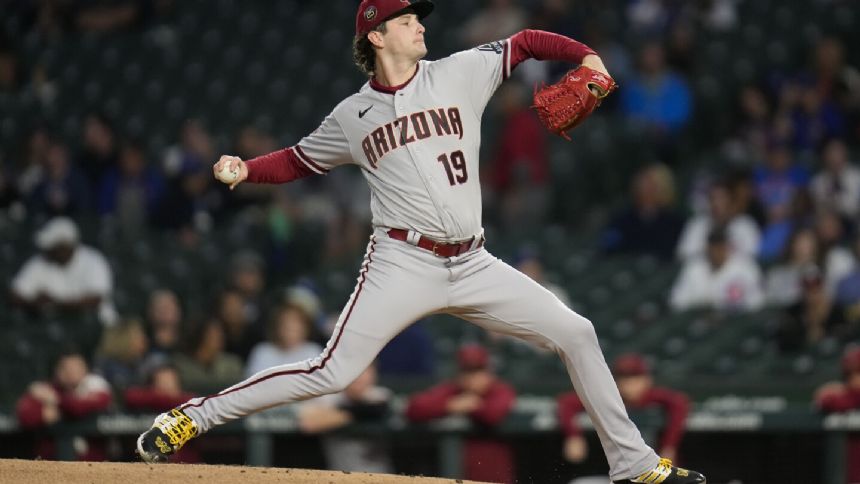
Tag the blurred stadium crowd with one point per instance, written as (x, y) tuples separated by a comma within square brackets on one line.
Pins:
[(727, 160)]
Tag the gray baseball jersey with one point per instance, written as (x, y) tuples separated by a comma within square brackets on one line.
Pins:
[(418, 148)]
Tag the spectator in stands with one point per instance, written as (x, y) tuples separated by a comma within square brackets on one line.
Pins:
[(63, 190), (205, 367), (837, 186), (65, 274), (776, 235), (240, 333), (247, 276), (778, 180), (518, 175), (304, 295), (740, 228), (636, 385), (752, 121), (30, 169), (362, 402), (722, 280), (164, 323), (100, 150), (131, 191), (838, 81), (848, 289), (744, 200), (410, 354), (121, 354), (291, 331), (190, 203), (812, 318), (497, 20), (835, 79), (73, 394), (657, 97), (194, 149), (162, 392), (650, 224), (811, 117), (837, 260), (844, 396), (479, 395), (783, 286)]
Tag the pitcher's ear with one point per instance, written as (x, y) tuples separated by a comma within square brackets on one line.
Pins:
[(375, 38)]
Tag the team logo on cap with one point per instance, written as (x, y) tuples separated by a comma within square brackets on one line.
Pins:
[(370, 13)]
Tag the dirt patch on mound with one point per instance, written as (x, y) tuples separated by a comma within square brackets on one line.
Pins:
[(48, 472)]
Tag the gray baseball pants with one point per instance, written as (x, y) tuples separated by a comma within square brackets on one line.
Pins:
[(400, 283)]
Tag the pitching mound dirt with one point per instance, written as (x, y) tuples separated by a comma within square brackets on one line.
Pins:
[(46, 472)]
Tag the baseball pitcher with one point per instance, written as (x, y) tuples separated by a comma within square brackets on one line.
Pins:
[(414, 129)]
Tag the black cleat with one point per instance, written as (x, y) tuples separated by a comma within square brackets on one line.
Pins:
[(666, 473), (169, 433)]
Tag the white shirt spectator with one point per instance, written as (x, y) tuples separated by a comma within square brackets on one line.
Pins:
[(743, 233), (783, 285), (845, 200), (735, 285), (87, 274), (838, 263)]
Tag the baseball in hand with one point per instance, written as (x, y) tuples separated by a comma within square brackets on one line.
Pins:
[(226, 175)]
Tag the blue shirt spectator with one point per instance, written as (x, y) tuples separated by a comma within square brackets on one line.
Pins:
[(132, 190), (656, 95), (778, 180), (409, 354)]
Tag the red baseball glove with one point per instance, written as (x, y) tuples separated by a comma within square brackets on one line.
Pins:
[(565, 104)]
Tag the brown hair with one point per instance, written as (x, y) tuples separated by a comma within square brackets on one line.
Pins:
[(278, 313), (363, 53)]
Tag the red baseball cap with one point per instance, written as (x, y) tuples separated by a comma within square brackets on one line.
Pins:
[(371, 13), (631, 364), (473, 357)]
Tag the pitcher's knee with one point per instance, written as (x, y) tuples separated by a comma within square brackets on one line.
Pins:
[(337, 381), (580, 330), (568, 330)]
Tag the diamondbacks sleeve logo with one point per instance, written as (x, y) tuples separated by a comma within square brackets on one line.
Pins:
[(492, 47)]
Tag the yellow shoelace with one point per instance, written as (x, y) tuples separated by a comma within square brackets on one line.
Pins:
[(657, 474), (181, 429)]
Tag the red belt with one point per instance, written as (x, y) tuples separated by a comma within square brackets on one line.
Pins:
[(441, 249)]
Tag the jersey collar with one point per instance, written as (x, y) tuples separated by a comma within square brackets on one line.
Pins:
[(392, 89)]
